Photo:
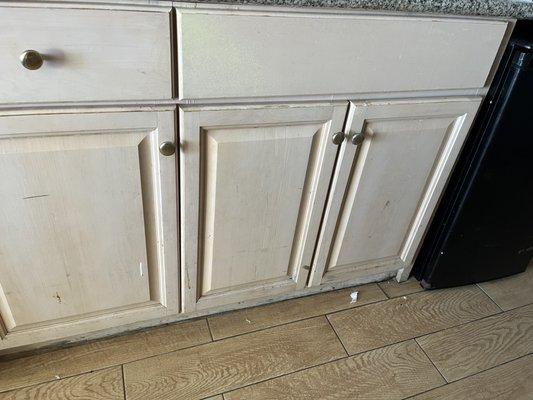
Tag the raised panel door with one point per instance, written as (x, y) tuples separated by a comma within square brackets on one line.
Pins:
[(88, 223), (385, 188), (253, 185)]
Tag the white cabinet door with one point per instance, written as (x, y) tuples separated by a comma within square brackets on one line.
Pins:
[(88, 223), (385, 189), (254, 180)]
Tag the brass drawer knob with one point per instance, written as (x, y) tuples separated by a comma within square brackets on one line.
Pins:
[(31, 59), (337, 138), (357, 138), (167, 148)]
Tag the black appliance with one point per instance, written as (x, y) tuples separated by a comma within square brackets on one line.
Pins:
[(483, 226)]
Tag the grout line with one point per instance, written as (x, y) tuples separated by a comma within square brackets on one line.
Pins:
[(298, 320), (488, 295), (223, 339), (209, 329), (469, 376), (123, 382), (287, 373), (384, 292), (516, 308), (427, 333), (95, 369), (337, 334), (425, 391), (446, 383), (431, 361)]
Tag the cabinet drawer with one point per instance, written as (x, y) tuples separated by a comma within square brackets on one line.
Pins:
[(239, 54), (88, 55)]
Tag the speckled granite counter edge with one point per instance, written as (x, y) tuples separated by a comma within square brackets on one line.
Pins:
[(495, 8), (488, 8)]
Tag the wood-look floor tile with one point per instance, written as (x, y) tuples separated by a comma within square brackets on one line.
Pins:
[(100, 385), (231, 363), (219, 397), (394, 289), (511, 292), (253, 319), (376, 325), (511, 381), (100, 354), (474, 347), (393, 372)]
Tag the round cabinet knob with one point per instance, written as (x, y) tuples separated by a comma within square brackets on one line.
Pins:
[(167, 148), (31, 59), (357, 138), (338, 138)]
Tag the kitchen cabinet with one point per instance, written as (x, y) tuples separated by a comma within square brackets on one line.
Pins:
[(161, 163), (254, 180), (389, 175), (88, 222)]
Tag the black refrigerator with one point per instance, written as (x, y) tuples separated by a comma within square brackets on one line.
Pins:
[(483, 226)]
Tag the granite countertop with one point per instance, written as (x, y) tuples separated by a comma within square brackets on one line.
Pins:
[(498, 8)]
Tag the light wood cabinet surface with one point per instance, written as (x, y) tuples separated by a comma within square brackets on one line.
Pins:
[(253, 185), (88, 222), (89, 55), (227, 54), (262, 196), (385, 189)]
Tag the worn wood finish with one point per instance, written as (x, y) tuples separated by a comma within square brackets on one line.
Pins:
[(231, 363), (474, 347), (393, 288), (101, 354), (83, 200), (394, 372), (100, 385), (512, 381), (253, 319), (386, 189), (254, 181), (449, 53), (88, 55), (512, 292), (366, 328)]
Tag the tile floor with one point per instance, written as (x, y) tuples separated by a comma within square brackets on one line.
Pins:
[(395, 342)]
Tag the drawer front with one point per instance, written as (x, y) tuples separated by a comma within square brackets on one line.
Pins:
[(226, 54), (88, 55)]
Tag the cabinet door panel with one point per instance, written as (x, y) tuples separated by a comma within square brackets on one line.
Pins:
[(83, 198), (386, 187), (261, 178)]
